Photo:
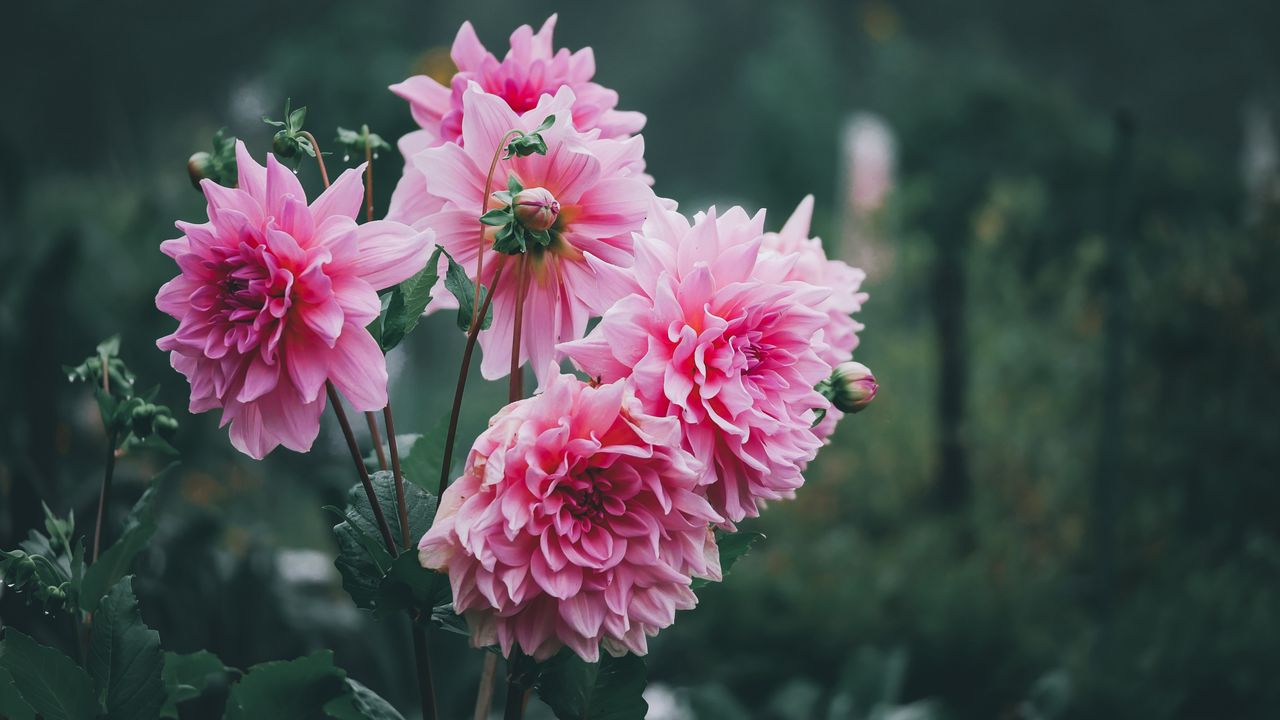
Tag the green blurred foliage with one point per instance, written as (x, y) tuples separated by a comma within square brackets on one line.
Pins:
[(1105, 546)]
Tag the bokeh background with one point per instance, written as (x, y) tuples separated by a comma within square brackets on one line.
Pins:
[(1062, 505)]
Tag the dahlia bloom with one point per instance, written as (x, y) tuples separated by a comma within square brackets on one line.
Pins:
[(600, 199), (715, 334), (273, 299), (576, 522), (843, 280), (530, 69)]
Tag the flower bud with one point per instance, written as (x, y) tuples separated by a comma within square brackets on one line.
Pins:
[(199, 167), (852, 387), (536, 208)]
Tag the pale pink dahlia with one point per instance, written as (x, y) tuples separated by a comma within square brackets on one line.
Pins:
[(530, 70), (576, 522), (600, 199), (716, 335), (273, 300), (843, 280)]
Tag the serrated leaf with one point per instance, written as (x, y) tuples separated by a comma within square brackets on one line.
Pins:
[(12, 706), (361, 703), (115, 561), (186, 677), (457, 282), (125, 660), (409, 586), (612, 689), (287, 690), (733, 547), (408, 300), (370, 575), (53, 685)]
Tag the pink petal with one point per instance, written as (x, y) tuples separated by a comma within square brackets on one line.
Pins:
[(343, 197), (358, 369), (390, 252)]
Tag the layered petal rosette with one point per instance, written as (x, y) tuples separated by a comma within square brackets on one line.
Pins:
[(273, 299), (599, 200), (713, 333), (843, 280), (530, 70), (577, 522)]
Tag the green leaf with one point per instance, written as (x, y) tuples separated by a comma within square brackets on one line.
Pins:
[(186, 677), (12, 705), (733, 546), (125, 660), (53, 685), (546, 123), (287, 690), (457, 282), (513, 185), (115, 561), (110, 347), (612, 689), (370, 575), (408, 300), (496, 218), (361, 703), (47, 569)]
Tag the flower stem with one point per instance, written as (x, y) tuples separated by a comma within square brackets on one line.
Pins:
[(376, 439), (381, 519), (401, 505), (472, 333), (515, 383), (426, 689), (324, 174), (484, 696), (103, 493), (484, 208), (368, 177), (515, 700), (110, 470)]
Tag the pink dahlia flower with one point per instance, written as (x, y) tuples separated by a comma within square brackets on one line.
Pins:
[(576, 522), (273, 299), (530, 70), (600, 199), (843, 280), (715, 334)]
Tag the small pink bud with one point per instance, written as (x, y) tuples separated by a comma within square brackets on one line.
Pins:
[(853, 387), (536, 208)]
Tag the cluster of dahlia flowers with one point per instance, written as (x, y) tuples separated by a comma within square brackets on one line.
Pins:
[(720, 364)]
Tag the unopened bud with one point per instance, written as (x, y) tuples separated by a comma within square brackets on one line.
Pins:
[(199, 167), (852, 387), (536, 208)]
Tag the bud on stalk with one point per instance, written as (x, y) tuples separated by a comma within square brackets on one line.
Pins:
[(851, 387), (536, 208)]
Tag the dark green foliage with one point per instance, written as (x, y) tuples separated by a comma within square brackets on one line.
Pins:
[(458, 283), (187, 676), (287, 690), (125, 660), (610, 689), (403, 309), (48, 681), (116, 560), (373, 578), (733, 547), (47, 568)]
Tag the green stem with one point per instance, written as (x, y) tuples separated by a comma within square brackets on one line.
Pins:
[(354, 448), (461, 386)]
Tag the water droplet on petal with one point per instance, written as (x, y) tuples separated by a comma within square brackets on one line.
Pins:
[(295, 171)]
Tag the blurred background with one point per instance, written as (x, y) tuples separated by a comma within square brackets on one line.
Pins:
[(1063, 502)]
